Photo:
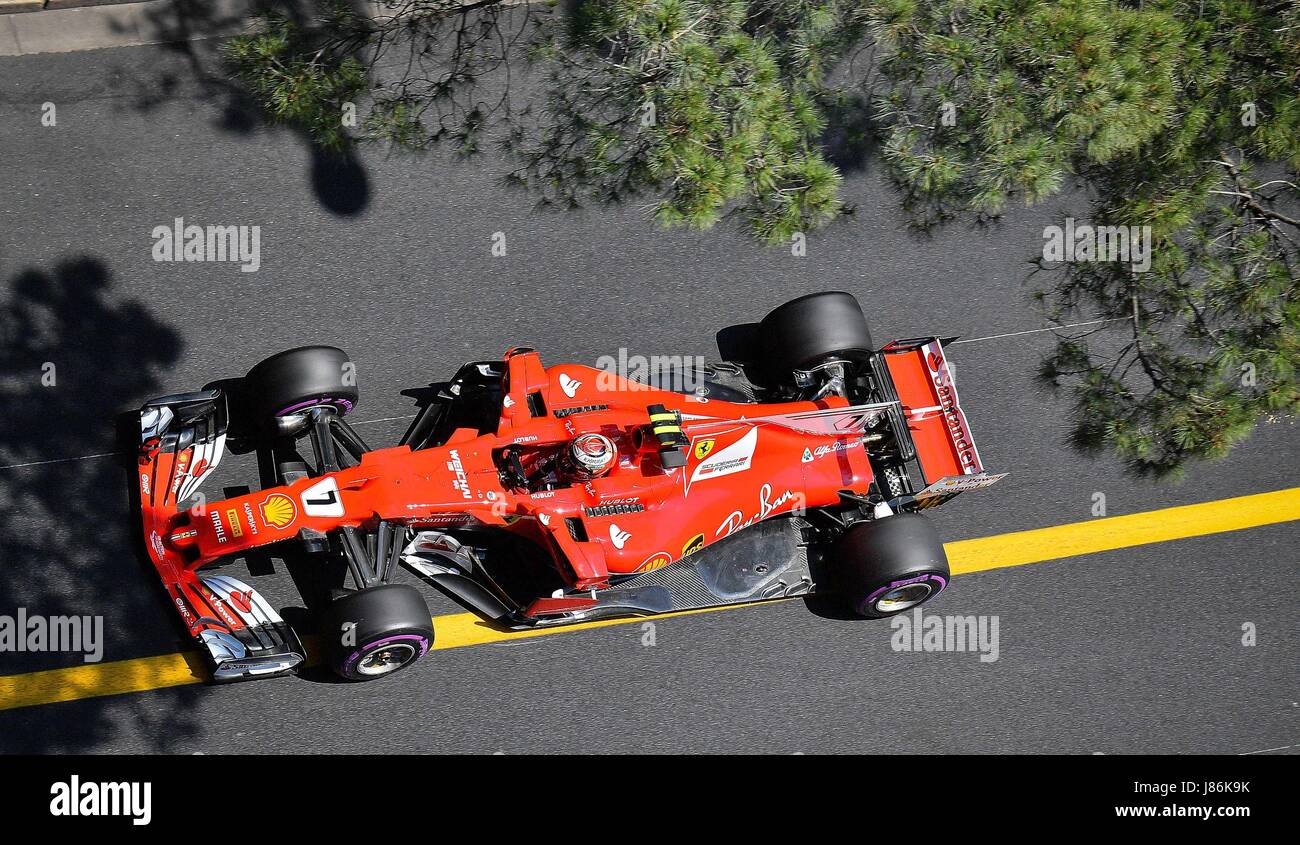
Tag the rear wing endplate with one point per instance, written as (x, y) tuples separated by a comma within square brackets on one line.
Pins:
[(937, 427)]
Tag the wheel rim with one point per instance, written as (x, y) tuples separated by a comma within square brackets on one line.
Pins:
[(903, 598), (385, 659), (343, 405)]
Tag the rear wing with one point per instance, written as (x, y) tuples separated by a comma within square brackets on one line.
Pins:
[(940, 436)]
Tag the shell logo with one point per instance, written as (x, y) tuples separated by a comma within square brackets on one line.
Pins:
[(278, 511), (655, 561)]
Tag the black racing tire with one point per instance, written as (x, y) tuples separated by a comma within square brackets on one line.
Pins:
[(811, 330), (297, 379), (376, 632), (888, 565)]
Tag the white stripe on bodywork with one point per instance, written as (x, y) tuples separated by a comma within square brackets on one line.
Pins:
[(829, 421)]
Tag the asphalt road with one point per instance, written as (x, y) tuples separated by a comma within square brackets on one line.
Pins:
[(1135, 650)]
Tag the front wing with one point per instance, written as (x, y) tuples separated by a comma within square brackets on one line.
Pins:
[(182, 439)]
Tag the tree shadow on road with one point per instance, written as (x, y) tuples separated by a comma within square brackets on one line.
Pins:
[(851, 140), (191, 30), (71, 357)]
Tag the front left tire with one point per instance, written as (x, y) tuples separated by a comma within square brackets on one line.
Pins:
[(298, 379), (373, 633)]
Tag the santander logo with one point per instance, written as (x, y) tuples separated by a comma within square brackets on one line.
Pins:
[(952, 414)]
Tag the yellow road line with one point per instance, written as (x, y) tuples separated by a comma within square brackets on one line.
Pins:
[(458, 630), (1118, 532), (96, 679)]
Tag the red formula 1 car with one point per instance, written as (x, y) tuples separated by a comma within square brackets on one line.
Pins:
[(540, 496)]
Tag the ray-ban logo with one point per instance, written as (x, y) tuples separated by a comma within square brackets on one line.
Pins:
[(182, 243)]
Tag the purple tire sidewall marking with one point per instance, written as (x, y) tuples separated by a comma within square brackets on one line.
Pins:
[(929, 576), (356, 655), (345, 403)]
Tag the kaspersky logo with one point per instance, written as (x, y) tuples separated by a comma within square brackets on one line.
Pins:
[(278, 511)]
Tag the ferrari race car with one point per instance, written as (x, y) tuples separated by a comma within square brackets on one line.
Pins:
[(539, 496)]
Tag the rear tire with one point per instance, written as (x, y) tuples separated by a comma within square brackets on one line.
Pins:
[(376, 632), (298, 379), (888, 566), (812, 330)]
